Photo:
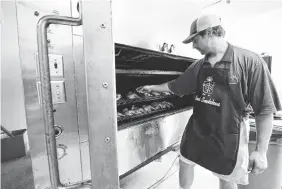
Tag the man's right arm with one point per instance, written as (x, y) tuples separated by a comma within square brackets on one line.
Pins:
[(183, 85), (157, 88)]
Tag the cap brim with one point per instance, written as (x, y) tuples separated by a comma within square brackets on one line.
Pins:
[(189, 39)]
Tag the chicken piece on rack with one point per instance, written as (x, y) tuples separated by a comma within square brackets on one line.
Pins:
[(132, 96), (156, 105), (128, 112), (120, 115), (166, 104), (145, 94), (148, 108), (138, 111), (166, 93), (118, 96), (155, 93)]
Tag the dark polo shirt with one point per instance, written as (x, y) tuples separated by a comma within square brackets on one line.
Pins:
[(249, 80)]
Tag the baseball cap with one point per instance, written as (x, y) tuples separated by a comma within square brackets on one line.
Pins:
[(202, 23)]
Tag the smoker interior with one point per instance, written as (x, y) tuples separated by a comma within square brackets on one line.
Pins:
[(137, 67), (128, 57)]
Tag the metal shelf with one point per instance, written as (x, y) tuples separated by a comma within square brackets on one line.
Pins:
[(139, 116), (131, 121), (138, 100), (135, 72)]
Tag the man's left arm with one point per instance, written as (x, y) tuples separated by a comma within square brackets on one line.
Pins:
[(264, 101), (264, 125), (258, 158)]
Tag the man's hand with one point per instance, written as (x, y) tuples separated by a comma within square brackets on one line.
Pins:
[(143, 89), (257, 162), (153, 88)]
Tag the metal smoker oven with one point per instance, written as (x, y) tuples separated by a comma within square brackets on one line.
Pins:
[(77, 139)]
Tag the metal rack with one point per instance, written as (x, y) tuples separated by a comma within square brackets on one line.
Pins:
[(154, 115), (133, 117), (138, 100), (146, 72), (137, 61)]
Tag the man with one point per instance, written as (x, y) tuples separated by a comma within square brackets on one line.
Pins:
[(226, 83)]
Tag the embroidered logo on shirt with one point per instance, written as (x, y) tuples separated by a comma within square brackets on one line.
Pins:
[(208, 86)]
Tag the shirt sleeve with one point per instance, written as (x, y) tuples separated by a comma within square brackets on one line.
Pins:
[(263, 96), (186, 83)]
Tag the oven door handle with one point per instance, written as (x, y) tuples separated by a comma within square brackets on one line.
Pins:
[(46, 95)]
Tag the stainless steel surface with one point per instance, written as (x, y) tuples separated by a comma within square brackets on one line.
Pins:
[(81, 105), (46, 90), (140, 142), (101, 102), (60, 43)]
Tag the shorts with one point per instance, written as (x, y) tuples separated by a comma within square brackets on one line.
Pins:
[(240, 173)]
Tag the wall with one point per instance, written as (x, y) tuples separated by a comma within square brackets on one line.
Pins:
[(12, 95), (255, 25), (149, 23), (251, 24)]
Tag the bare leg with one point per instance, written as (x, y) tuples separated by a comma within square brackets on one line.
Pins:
[(186, 175), (227, 185)]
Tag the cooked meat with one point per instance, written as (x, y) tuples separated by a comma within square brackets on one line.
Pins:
[(138, 111), (148, 108), (132, 95), (162, 106), (118, 96), (134, 107), (166, 93), (167, 104), (156, 105), (143, 93), (119, 115), (155, 93), (147, 94), (130, 113)]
